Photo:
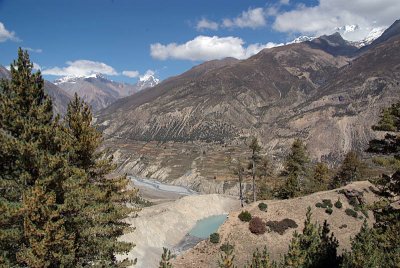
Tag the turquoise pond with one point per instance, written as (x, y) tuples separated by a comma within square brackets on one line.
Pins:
[(207, 226)]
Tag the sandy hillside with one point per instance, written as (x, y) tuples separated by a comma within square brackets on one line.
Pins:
[(237, 233)]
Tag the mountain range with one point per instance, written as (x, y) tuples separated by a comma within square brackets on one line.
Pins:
[(326, 91), (99, 91)]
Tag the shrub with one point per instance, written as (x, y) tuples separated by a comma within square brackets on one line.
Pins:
[(327, 203), (353, 201), (257, 226), (262, 206), (364, 211), (351, 212), (343, 226), (214, 238), (245, 216), (319, 205), (338, 204), (226, 247), (281, 226), (329, 211)]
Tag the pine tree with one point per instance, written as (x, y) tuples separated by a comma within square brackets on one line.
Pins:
[(261, 260), (296, 256), (48, 243), (95, 203), (32, 170), (264, 171), (385, 233), (313, 247), (227, 258), (57, 207), (320, 178), (296, 170), (255, 150), (364, 250), (351, 170), (165, 258), (239, 170)]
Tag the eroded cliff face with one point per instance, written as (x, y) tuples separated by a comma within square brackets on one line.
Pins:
[(183, 130)]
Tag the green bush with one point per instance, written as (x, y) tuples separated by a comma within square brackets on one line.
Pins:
[(226, 247), (327, 203), (338, 204), (353, 201), (319, 205), (245, 216), (351, 212), (281, 226), (214, 238), (262, 206), (329, 211)]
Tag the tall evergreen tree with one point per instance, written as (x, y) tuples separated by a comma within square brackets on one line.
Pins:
[(320, 179), (95, 203), (386, 232), (255, 157), (364, 250), (58, 208), (313, 248), (350, 170), (239, 170), (296, 170), (32, 170)]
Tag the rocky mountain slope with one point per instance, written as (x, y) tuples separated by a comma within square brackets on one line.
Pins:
[(59, 97), (324, 91), (99, 91)]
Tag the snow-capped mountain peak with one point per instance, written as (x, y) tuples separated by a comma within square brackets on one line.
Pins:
[(301, 39), (347, 29), (147, 80), (74, 78), (372, 35)]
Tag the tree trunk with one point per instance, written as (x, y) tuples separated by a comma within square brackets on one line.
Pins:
[(254, 180), (240, 189)]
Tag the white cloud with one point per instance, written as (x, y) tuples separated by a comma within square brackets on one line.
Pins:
[(7, 35), (131, 74), (330, 14), (81, 68), (35, 50), (207, 48), (206, 24), (284, 2), (36, 66), (252, 18)]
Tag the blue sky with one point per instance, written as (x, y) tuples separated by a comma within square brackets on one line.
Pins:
[(125, 39)]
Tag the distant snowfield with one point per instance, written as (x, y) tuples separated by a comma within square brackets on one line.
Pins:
[(161, 187)]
